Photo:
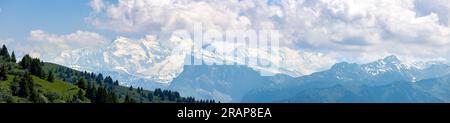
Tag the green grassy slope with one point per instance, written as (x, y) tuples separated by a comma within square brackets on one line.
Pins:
[(66, 87), (139, 95)]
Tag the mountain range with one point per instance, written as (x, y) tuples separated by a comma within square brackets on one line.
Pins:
[(220, 82), (150, 64), (385, 80)]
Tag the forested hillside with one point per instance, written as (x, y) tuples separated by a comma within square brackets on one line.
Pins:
[(31, 80)]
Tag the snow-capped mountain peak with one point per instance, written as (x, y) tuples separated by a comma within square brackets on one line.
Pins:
[(390, 66), (392, 59), (389, 63), (149, 60)]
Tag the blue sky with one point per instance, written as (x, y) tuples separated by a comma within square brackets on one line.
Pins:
[(18, 17)]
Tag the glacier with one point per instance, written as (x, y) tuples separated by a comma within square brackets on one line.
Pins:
[(151, 63)]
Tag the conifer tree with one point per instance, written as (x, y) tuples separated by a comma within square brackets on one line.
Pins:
[(3, 73), (13, 57), (4, 53), (101, 95), (80, 94), (112, 98), (99, 78), (150, 96), (35, 97), (26, 86), (15, 86), (108, 80), (82, 83), (36, 68), (129, 99), (91, 93), (50, 76), (25, 62)]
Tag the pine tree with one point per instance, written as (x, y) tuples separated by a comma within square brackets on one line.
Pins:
[(80, 94), (36, 68), (112, 98), (150, 97), (175, 96), (26, 86), (82, 83), (50, 77), (129, 99), (92, 75), (99, 78), (4, 53), (25, 62), (91, 92), (108, 80), (101, 96), (139, 90), (35, 97), (3, 73), (158, 92), (13, 57), (15, 86)]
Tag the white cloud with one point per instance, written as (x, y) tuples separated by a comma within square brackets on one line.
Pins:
[(440, 7), (18, 47), (51, 44), (162, 17), (97, 5), (348, 29), (78, 39), (46, 45)]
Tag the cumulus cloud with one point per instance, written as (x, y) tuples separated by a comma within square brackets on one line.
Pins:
[(97, 5), (48, 44), (368, 29), (78, 39), (348, 29), (440, 7), (163, 17), (18, 47)]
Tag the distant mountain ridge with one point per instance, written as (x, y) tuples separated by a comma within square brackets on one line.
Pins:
[(219, 82), (242, 84), (377, 81)]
